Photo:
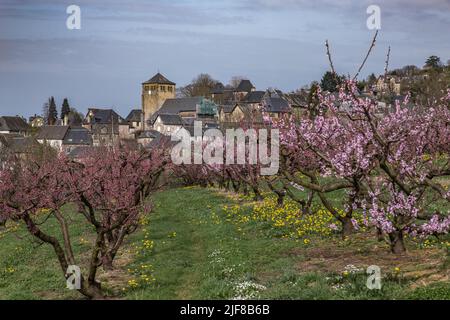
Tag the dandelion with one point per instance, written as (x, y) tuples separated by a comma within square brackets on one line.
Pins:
[(132, 283)]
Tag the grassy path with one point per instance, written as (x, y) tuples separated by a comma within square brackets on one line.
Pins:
[(209, 257)]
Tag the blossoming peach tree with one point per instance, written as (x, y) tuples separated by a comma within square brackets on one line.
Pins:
[(109, 188), (390, 165)]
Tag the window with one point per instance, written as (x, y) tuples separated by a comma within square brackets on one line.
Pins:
[(162, 88), (170, 88)]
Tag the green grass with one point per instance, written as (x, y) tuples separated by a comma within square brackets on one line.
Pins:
[(208, 258)]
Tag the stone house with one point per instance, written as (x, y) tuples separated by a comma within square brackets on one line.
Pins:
[(134, 119), (189, 109), (106, 126), (14, 125), (64, 138), (168, 124), (244, 88), (52, 136), (36, 121), (17, 145), (389, 84), (76, 138)]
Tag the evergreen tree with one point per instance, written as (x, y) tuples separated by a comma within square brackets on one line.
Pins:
[(433, 62), (52, 112), (45, 108), (65, 110), (330, 82), (371, 80)]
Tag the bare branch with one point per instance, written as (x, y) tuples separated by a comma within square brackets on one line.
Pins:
[(386, 66), (329, 57), (372, 45)]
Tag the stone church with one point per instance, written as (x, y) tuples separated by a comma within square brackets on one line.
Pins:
[(154, 93)]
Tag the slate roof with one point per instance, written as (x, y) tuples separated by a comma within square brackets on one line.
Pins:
[(13, 124), (104, 116), (159, 79), (135, 116), (78, 136), (277, 105), (228, 108), (171, 119), (296, 100), (17, 143), (254, 97), (177, 105), (245, 86), (148, 134), (52, 132)]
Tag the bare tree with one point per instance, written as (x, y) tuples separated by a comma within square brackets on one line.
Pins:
[(200, 86)]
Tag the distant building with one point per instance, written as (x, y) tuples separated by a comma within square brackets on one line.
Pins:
[(134, 119), (154, 93), (36, 121), (76, 138), (106, 126), (64, 138), (244, 88), (16, 125), (189, 109), (389, 84), (276, 107), (253, 105), (231, 113), (52, 136), (15, 144), (168, 124), (145, 138)]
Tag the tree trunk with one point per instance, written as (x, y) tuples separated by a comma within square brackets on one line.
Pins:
[(258, 196), (397, 243), (347, 227), (280, 198), (246, 192), (309, 202), (380, 236), (107, 262), (92, 290)]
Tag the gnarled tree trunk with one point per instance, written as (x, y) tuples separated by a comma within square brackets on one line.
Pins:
[(397, 242)]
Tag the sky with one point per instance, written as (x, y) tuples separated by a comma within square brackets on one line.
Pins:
[(274, 43)]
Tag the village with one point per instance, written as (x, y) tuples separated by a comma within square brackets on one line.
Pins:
[(166, 109), (224, 158)]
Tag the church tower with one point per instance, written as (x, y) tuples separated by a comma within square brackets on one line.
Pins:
[(154, 92)]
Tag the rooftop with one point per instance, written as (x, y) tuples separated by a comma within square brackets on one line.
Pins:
[(171, 119), (104, 116), (245, 86), (134, 116), (13, 124), (52, 132), (78, 136), (159, 79)]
